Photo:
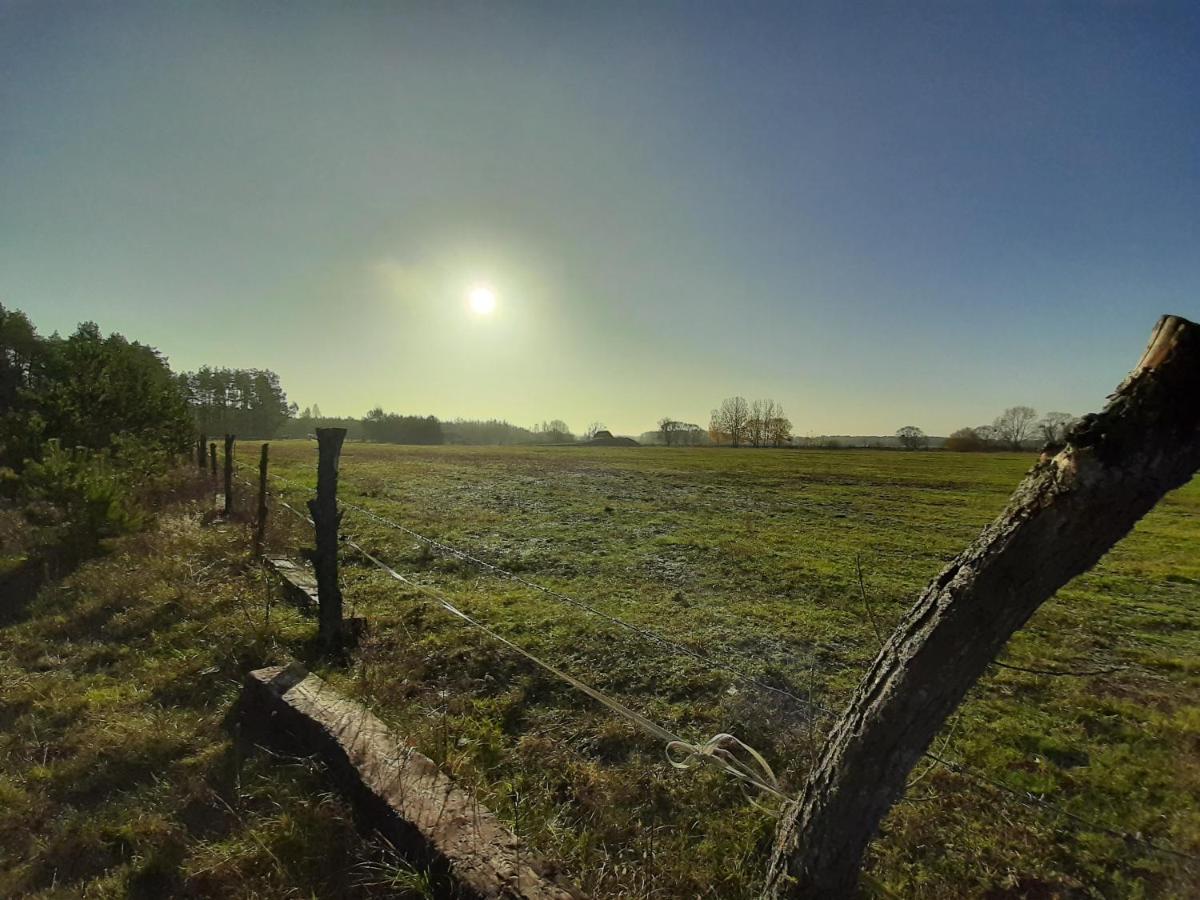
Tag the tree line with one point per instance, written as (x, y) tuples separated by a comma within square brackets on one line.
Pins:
[(1013, 429), (87, 390), (761, 423), (89, 427), (250, 403)]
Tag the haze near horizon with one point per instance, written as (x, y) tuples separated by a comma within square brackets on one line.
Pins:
[(875, 215)]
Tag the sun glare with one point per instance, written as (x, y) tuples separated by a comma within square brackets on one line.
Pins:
[(482, 299)]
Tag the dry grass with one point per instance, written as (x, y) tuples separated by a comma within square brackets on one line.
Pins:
[(120, 775)]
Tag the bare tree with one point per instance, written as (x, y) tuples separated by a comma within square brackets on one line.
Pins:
[(690, 434), (555, 431), (912, 438), (1070, 509), (779, 428), (1055, 425), (731, 419), (592, 430), (667, 427), (1014, 425), (756, 426)]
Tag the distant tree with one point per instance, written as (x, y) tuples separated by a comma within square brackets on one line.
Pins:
[(988, 437), (912, 438), (1015, 425), (105, 387), (756, 425), (966, 440), (491, 431), (250, 403), (86, 390), (391, 428), (1055, 425), (778, 428), (553, 432), (23, 359), (730, 421), (667, 429), (592, 429)]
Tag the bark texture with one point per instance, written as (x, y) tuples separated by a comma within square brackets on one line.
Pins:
[(426, 816), (229, 439), (1076, 502), (260, 519), (327, 519)]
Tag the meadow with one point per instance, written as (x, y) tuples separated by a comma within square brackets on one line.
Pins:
[(761, 560)]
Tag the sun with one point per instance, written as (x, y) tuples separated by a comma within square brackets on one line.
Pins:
[(482, 299)]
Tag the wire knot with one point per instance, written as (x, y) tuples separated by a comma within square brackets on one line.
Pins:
[(731, 755)]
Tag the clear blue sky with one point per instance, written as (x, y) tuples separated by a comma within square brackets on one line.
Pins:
[(875, 214)]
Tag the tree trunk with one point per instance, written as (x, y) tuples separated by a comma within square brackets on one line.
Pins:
[(1074, 504), (326, 520), (260, 519), (229, 438)]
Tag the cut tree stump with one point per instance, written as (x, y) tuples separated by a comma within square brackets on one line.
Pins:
[(395, 789)]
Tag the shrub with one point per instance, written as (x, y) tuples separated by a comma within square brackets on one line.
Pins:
[(78, 497)]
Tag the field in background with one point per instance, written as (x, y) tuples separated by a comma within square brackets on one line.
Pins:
[(749, 556)]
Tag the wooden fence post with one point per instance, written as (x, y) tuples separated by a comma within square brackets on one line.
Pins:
[(200, 451), (212, 458), (1075, 503), (326, 519), (228, 474), (260, 524)]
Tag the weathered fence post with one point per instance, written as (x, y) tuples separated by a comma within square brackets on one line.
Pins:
[(326, 519), (200, 451), (1076, 502), (228, 473), (212, 458), (260, 523)]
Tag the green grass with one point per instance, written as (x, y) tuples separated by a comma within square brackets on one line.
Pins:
[(750, 556), (120, 771), (120, 774)]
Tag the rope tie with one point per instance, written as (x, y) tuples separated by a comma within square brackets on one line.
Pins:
[(721, 750)]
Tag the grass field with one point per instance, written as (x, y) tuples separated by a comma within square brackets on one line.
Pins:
[(750, 557), (121, 771)]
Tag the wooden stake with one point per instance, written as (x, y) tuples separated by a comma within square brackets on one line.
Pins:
[(200, 451), (228, 474), (326, 521), (1076, 502), (260, 523), (212, 457)]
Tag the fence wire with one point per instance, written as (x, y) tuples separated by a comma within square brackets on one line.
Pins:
[(705, 752)]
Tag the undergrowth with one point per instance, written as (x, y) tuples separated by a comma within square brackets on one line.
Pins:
[(121, 770)]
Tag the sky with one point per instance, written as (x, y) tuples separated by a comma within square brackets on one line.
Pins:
[(875, 214)]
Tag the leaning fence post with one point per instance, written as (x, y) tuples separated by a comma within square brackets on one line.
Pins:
[(326, 519), (212, 458), (260, 524), (200, 451), (228, 474)]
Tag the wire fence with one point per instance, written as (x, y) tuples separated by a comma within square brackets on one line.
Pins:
[(722, 750)]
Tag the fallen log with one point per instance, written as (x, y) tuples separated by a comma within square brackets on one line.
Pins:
[(396, 790)]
